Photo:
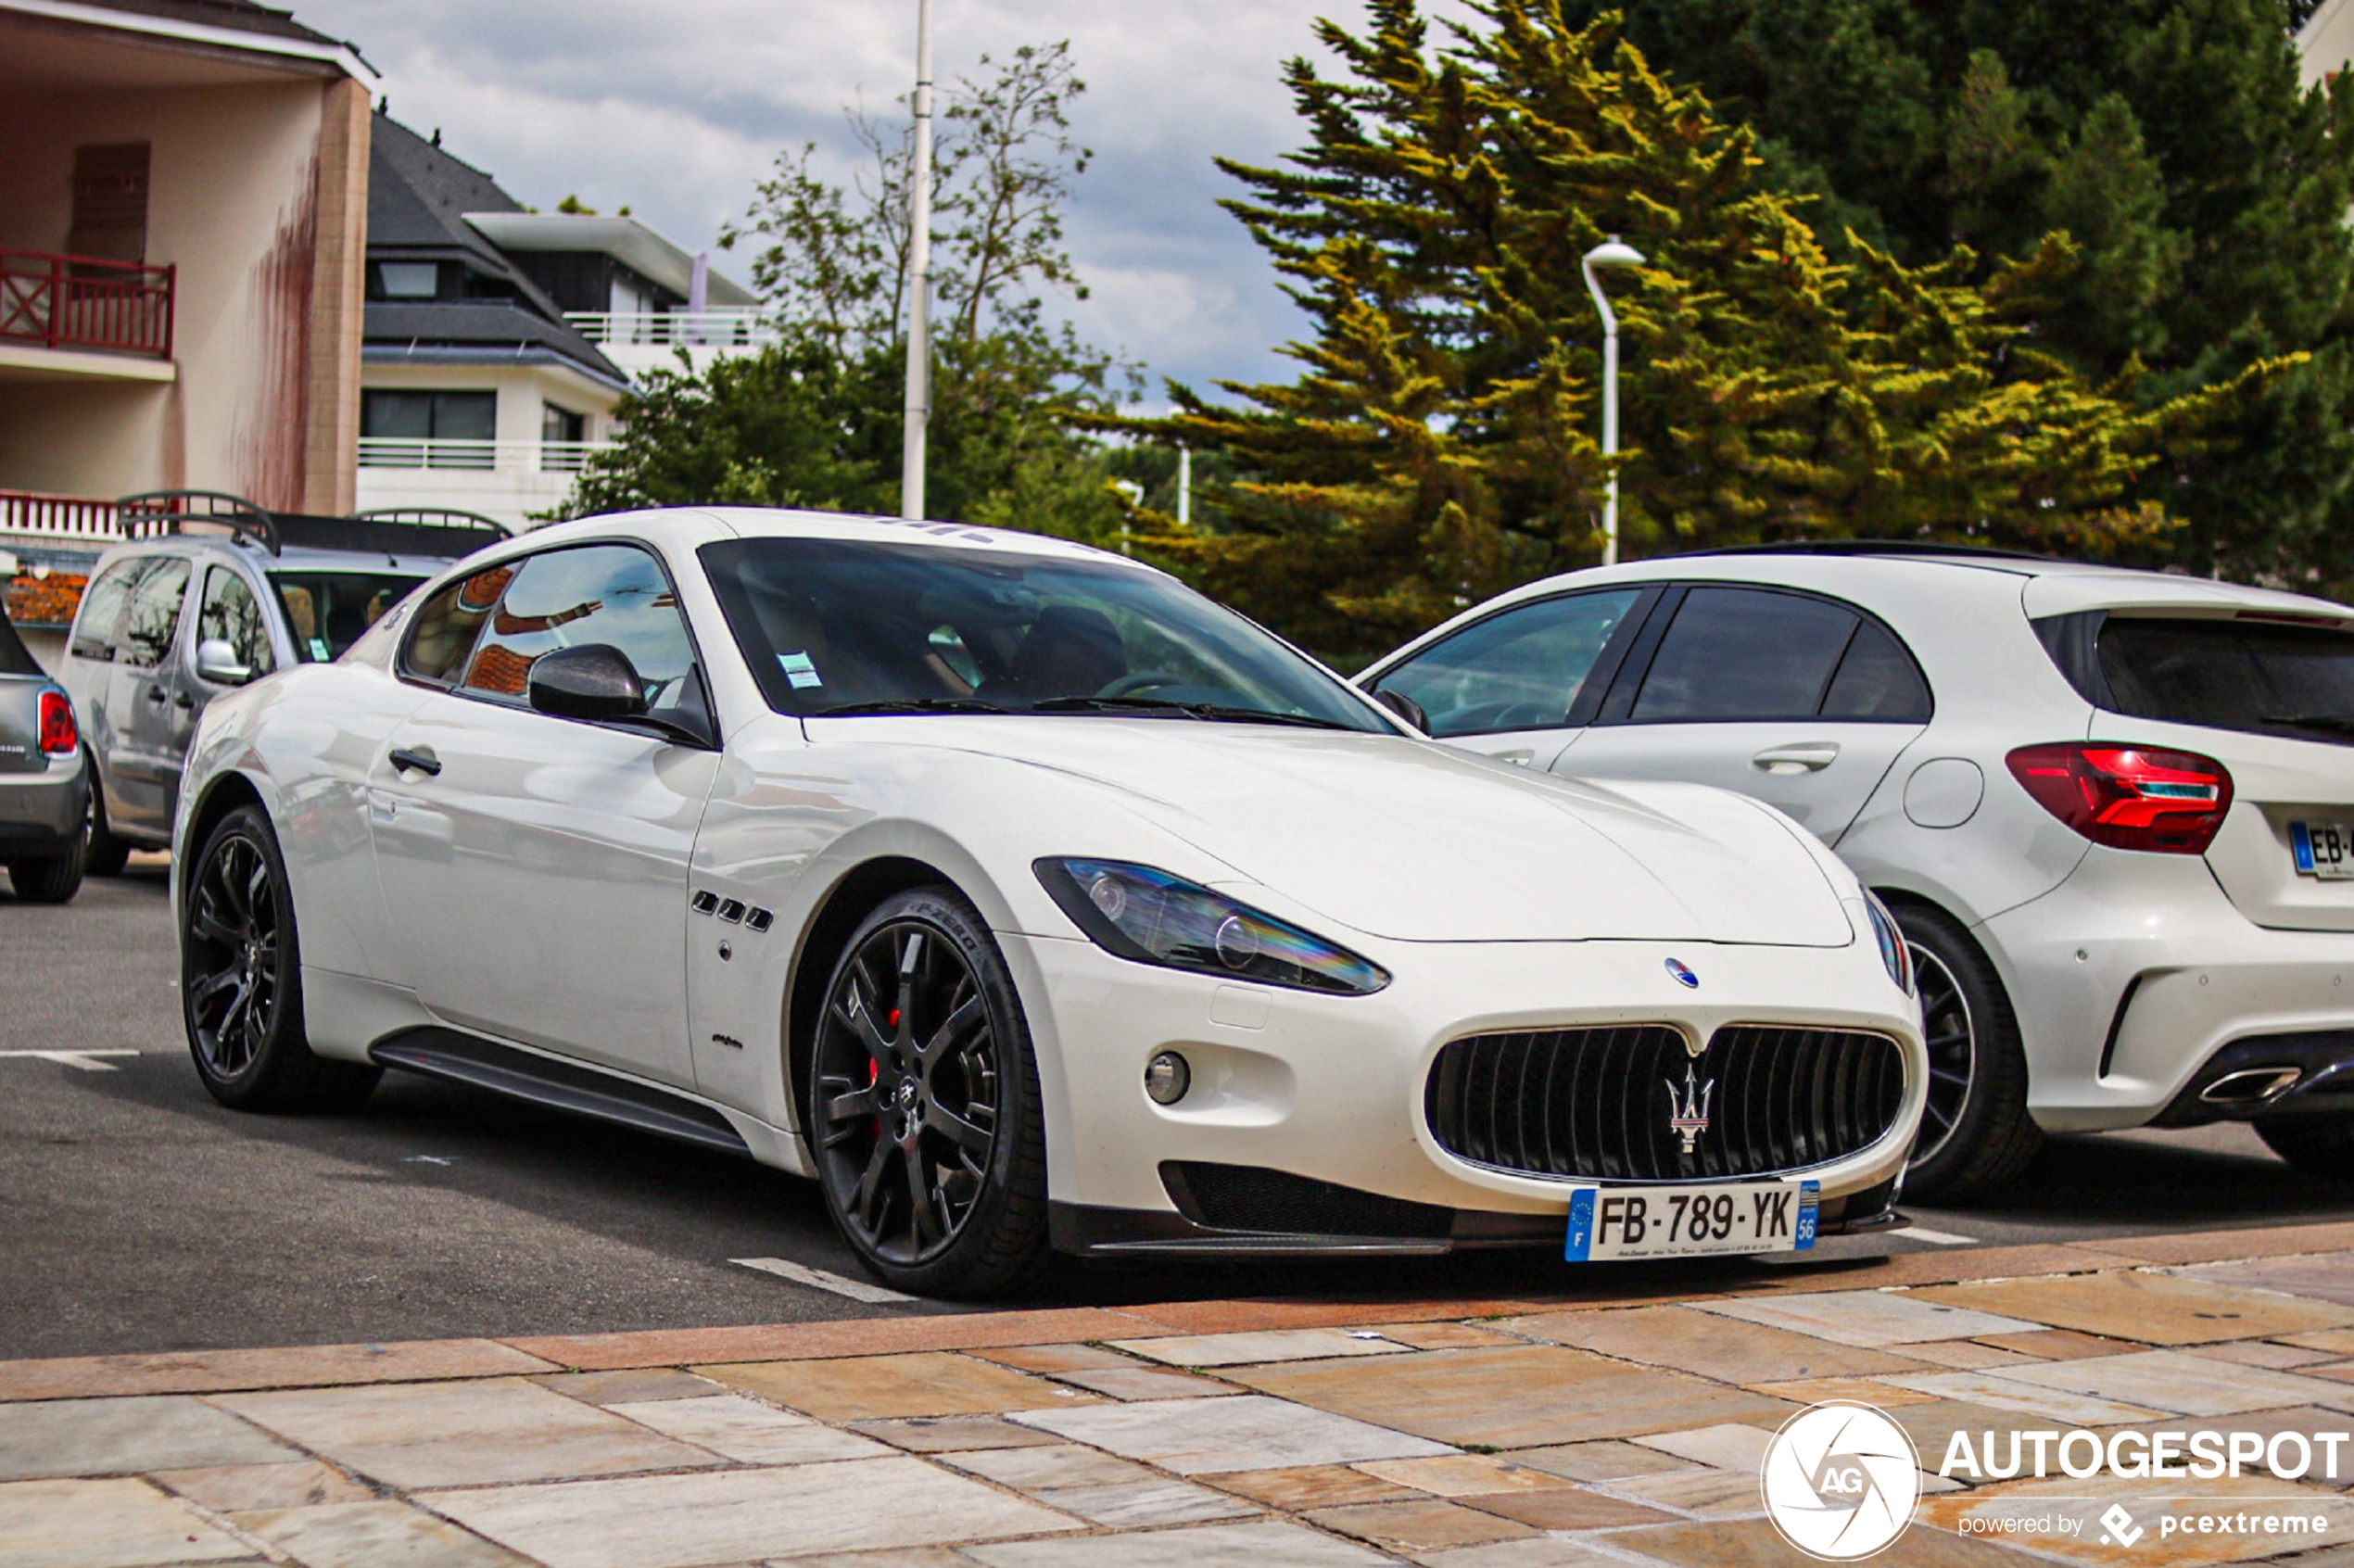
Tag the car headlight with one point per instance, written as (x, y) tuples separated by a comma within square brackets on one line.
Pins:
[(1149, 916), (1890, 937)]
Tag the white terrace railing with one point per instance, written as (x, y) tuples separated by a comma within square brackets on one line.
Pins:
[(745, 327), (508, 457)]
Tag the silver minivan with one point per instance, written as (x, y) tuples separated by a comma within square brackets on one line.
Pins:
[(208, 592)]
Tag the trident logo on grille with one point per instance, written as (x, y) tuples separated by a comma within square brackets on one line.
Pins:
[(1687, 1106)]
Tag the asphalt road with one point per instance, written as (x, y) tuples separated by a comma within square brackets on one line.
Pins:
[(136, 1215)]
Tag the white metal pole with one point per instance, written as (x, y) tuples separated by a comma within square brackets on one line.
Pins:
[(911, 473), (1612, 253), (1184, 487)]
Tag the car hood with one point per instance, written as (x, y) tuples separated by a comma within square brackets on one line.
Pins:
[(1419, 842)]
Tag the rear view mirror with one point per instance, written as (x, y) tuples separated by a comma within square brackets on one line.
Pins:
[(217, 662), (593, 681), (1406, 708)]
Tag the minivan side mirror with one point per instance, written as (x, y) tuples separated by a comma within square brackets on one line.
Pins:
[(1405, 707), (217, 662), (595, 680)]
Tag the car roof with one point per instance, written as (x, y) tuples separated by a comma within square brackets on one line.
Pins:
[(293, 558), (686, 526)]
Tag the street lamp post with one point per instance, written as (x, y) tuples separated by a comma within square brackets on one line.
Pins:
[(911, 470), (1610, 253)]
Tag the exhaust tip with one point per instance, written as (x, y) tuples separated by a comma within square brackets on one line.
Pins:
[(2250, 1085)]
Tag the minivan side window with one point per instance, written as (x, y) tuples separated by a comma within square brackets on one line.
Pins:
[(1740, 654), (1523, 669), (101, 610), (154, 615), (230, 613), (442, 637)]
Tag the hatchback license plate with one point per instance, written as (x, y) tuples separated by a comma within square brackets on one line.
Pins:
[(2323, 850), (1610, 1223)]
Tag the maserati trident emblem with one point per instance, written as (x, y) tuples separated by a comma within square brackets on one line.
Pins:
[(1684, 976), (1687, 1106)]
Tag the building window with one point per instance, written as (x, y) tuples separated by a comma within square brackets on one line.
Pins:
[(409, 280), (561, 434), (404, 429), (110, 202)]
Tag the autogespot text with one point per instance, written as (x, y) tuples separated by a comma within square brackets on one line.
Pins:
[(2203, 1455)]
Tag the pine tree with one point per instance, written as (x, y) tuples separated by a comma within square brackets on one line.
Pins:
[(1442, 442)]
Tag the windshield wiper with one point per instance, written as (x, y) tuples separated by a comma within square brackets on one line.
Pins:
[(2333, 724), (1215, 711), (909, 705)]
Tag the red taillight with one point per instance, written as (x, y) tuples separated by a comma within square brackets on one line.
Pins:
[(2128, 797), (59, 735)]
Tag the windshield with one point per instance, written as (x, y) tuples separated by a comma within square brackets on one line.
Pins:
[(327, 610), (2233, 674), (834, 626)]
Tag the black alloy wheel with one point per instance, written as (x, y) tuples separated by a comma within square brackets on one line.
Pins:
[(241, 981), (1953, 1050), (1976, 1133), (925, 1102)]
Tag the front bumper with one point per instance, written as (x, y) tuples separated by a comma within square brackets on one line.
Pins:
[(1328, 1090)]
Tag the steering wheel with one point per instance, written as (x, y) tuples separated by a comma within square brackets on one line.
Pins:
[(1142, 680)]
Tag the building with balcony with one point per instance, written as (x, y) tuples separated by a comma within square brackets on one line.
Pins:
[(499, 340), (183, 201)]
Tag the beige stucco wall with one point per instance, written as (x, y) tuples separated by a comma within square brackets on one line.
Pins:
[(233, 203), (2326, 43)]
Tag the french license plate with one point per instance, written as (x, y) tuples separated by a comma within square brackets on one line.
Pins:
[(2323, 850), (1610, 1223)]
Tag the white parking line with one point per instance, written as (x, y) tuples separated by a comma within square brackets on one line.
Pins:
[(85, 1060), (801, 1274), (1939, 1238)]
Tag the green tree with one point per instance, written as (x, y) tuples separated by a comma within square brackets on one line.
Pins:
[(1440, 443), (2204, 189), (816, 419)]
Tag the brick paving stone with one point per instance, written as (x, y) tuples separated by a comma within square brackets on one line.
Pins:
[(1544, 1551), (1263, 1545), (1574, 1509), (1297, 1488), (1754, 1544), (371, 1534), (1251, 1349), (2265, 1353), (2055, 1345), (1730, 1350), (2153, 1308), (748, 1432), (896, 1557), (1247, 1432), (737, 1515), (2337, 1342), (1460, 1475), (213, 1371), (122, 1437), (2017, 1398), (632, 1386), (1135, 1505), (2181, 1382), (2206, 1247), (1512, 1397), (853, 1336), (1608, 1459), (1814, 1390), (1427, 1524), (2322, 1279), (120, 1524), (940, 1434), (1727, 1446), (1872, 1317), (929, 1382), (1715, 1493), (1443, 1336), (461, 1433), (239, 1488), (1133, 1382), (1051, 1359), (1968, 1355), (1064, 1464)]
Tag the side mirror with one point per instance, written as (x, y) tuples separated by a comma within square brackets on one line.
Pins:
[(593, 681), (1405, 707), (217, 662)]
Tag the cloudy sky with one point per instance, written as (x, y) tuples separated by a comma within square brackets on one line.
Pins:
[(677, 108)]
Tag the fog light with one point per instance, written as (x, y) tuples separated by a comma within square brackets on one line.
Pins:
[(1167, 1078)]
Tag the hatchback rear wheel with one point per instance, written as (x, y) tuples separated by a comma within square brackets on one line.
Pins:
[(1975, 1134)]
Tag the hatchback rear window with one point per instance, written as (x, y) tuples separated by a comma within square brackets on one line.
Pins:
[(2230, 674)]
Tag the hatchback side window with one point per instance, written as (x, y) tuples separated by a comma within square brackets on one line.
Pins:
[(154, 615), (1523, 669), (101, 613), (1736, 654), (443, 634), (1878, 681), (230, 613), (610, 594)]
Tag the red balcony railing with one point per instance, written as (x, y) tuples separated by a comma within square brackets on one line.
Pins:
[(84, 302)]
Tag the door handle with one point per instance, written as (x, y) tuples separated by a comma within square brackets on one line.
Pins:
[(155, 694), (1807, 756), (421, 760), (182, 700)]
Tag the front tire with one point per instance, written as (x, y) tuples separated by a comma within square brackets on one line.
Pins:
[(924, 1101), (2321, 1144), (1975, 1134), (241, 981)]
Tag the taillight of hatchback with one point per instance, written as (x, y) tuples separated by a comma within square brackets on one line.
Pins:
[(2128, 797), (59, 737)]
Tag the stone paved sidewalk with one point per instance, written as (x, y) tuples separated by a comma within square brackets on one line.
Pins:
[(1594, 1426)]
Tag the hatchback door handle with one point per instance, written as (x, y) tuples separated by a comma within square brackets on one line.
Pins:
[(1807, 756), (421, 760), (182, 700)]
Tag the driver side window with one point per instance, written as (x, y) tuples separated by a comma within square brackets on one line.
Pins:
[(610, 594), (1523, 669)]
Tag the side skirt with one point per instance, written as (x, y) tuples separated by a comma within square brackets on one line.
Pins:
[(466, 1059)]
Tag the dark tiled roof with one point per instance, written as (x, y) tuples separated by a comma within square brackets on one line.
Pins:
[(490, 323), (244, 16)]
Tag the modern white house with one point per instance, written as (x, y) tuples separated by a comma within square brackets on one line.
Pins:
[(2326, 43), (500, 339)]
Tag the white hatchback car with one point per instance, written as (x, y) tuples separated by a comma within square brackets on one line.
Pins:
[(2113, 810), (1024, 897)]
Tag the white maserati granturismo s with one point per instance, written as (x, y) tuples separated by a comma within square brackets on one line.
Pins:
[(1027, 901)]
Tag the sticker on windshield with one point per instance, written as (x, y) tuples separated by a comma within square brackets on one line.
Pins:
[(318, 649), (799, 670)]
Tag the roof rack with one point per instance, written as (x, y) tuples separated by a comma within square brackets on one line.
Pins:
[(434, 517), (1876, 547), (154, 512)]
